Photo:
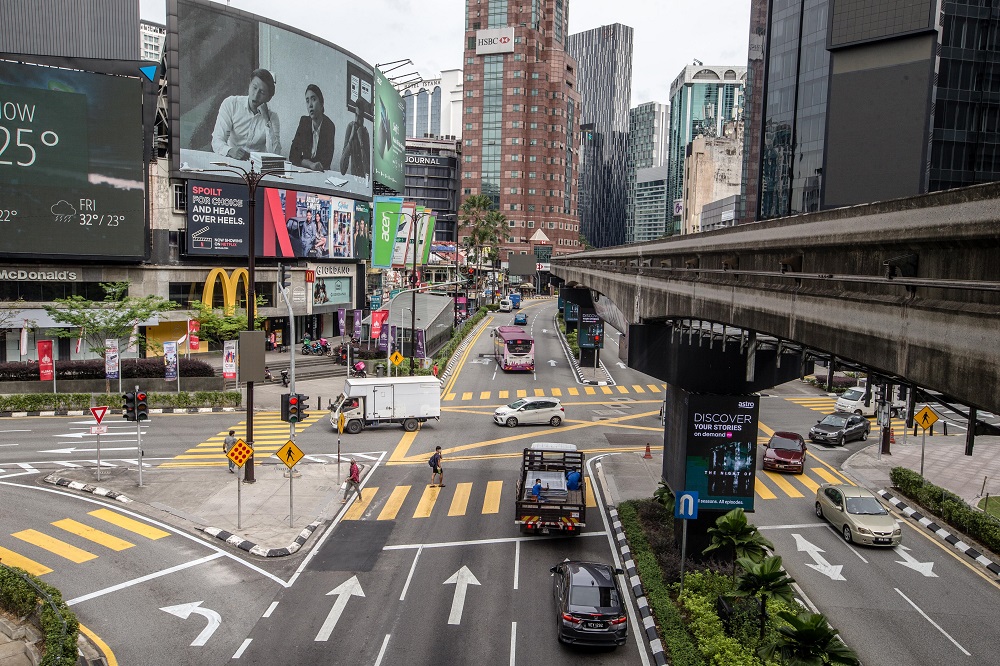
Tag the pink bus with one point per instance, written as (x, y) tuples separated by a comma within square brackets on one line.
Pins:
[(513, 348)]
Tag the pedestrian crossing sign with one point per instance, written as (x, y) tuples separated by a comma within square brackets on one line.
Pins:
[(240, 452), (926, 418), (290, 454), (396, 358)]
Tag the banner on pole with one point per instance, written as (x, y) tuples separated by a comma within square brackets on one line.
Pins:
[(342, 321), (24, 338), (379, 318), (170, 361), (194, 343), (45, 366), (357, 324), (112, 359), (421, 351), (229, 359)]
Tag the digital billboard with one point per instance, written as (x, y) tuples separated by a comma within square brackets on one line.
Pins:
[(218, 217), (305, 225), (591, 335), (246, 88), (71, 174), (390, 134), (722, 450)]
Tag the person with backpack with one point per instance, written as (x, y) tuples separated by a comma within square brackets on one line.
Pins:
[(353, 482), (436, 469), (228, 443)]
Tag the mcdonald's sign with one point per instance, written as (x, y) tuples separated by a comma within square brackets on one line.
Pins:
[(230, 284)]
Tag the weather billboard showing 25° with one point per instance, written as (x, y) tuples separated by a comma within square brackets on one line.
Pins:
[(71, 171)]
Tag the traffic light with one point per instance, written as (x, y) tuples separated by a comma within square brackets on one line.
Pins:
[(470, 276), (284, 276), (303, 406), (293, 407), (880, 392), (285, 399), (141, 407), (902, 392), (128, 406)]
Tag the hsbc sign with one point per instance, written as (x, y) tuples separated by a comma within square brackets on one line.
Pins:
[(498, 40)]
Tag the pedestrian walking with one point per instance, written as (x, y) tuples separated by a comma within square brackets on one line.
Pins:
[(436, 469), (353, 482), (227, 444)]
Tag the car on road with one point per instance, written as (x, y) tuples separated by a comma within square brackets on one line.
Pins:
[(520, 319), (857, 514), (506, 305), (785, 452), (839, 428), (530, 411), (590, 608)]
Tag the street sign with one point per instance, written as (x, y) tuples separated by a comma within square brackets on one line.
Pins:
[(686, 505), (99, 430), (925, 418), (290, 454), (99, 412), (340, 424), (396, 358), (240, 452)]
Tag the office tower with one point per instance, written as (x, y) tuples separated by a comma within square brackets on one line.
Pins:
[(151, 37), (604, 75), (702, 99), (432, 179), (520, 119), (434, 106), (647, 148), (649, 204)]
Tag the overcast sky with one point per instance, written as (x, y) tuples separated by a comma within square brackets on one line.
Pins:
[(669, 34)]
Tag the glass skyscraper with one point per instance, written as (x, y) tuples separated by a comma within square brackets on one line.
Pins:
[(648, 125)]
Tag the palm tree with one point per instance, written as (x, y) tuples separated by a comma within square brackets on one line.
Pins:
[(471, 215), (808, 640), (764, 580), (733, 533), (490, 232)]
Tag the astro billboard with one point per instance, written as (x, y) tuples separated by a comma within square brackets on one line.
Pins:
[(722, 450)]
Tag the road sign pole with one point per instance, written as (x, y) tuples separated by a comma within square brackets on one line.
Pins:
[(291, 505), (98, 456), (138, 440), (684, 541), (923, 442), (239, 498)]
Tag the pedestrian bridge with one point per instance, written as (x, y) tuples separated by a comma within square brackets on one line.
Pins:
[(908, 288)]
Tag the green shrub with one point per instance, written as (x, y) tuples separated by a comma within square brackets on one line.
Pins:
[(184, 399), (18, 597), (40, 402), (704, 623)]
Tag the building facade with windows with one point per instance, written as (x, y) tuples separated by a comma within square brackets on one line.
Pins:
[(434, 106), (151, 38), (650, 204), (702, 99), (712, 171), (648, 125), (604, 75), (433, 178), (521, 119)]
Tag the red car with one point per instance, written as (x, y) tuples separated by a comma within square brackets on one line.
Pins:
[(785, 452)]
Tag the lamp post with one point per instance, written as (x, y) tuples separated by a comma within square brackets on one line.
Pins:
[(252, 178), (414, 220)]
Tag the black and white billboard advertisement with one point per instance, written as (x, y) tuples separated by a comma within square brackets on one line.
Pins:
[(218, 216), (71, 171), (252, 90), (722, 450)]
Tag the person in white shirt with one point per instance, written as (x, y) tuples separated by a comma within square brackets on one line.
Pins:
[(245, 124)]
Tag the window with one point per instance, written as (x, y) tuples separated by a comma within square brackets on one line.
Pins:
[(531, 208), (516, 107), (475, 25), (515, 141), (471, 45), (468, 158), (518, 56), (515, 158), (534, 92), (470, 61), (534, 75), (470, 93), (517, 40), (552, 225), (534, 109), (531, 174), (468, 126), (468, 142), (515, 91), (533, 142), (470, 77), (531, 190), (180, 197), (467, 190), (512, 190), (511, 223), (532, 158), (532, 125), (531, 223), (516, 75)]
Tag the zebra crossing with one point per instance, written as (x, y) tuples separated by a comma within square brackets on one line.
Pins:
[(644, 390), (269, 431), (75, 540)]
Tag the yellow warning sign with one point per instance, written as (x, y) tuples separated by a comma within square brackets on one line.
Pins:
[(290, 454), (240, 452), (925, 418), (396, 358), (340, 424)]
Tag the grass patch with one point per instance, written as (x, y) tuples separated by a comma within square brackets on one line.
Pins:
[(991, 505)]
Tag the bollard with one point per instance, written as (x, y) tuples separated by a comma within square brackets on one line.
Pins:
[(931, 433), (945, 427), (914, 429)]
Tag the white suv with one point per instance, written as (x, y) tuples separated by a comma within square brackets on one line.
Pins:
[(506, 305), (530, 410)]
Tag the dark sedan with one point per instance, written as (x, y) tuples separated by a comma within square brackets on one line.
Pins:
[(785, 452), (590, 608), (839, 428)]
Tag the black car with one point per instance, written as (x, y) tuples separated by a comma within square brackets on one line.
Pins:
[(839, 428), (590, 609)]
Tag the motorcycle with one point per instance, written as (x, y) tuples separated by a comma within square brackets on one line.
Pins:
[(318, 347), (284, 377), (358, 370)]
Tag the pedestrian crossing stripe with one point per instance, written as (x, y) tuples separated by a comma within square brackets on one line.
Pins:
[(505, 394), (12, 559), (269, 432), (55, 546)]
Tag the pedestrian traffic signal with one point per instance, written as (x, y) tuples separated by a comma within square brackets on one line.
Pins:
[(141, 407), (303, 406), (284, 276), (128, 406)]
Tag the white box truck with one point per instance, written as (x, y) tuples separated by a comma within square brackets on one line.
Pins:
[(375, 400)]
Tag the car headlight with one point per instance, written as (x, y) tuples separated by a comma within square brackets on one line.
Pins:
[(897, 532), (864, 530)]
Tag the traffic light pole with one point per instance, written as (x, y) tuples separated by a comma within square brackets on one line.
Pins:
[(138, 435)]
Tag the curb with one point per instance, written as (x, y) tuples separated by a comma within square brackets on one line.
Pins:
[(648, 623), (575, 364), (992, 566), (87, 488), (162, 410), (458, 352), (255, 549)]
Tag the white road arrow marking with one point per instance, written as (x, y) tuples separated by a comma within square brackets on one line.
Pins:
[(908, 560), (344, 592), (552, 363), (81, 435), (183, 611), (545, 330), (832, 571), (72, 450), (621, 365), (462, 579)]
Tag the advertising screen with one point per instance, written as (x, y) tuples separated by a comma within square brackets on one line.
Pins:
[(249, 89), (71, 172), (305, 225), (722, 450), (390, 134), (362, 230), (218, 217), (591, 335)]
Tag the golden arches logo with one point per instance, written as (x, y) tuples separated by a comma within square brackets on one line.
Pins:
[(230, 283)]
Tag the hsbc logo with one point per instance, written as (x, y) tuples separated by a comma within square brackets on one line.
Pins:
[(492, 41), (498, 40)]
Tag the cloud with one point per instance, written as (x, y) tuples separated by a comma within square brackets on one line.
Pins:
[(63, 209)]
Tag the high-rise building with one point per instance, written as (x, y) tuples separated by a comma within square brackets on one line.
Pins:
[(432, 179), (604, 76), (702, 99), (650, 203), (520, 121), (647, 148), (434, 106), (151, 37), (712, 171)]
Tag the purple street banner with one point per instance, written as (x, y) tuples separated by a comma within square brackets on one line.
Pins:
[(357, 324), (170, 360), (392, 338), (383, 339), (111, 358), (342, 321), (421, 352)]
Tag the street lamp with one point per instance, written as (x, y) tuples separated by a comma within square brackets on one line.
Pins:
[(414, 219), (252, 178)]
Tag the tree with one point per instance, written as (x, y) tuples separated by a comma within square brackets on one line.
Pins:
[(483, 225), (113, 318), (808, 640), (763, 581), (585, 243), (740, 538), (217, 326)]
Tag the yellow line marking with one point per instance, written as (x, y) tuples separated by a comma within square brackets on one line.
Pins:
[(786, 487), (484, 395), (589, 492), (556, 392), (589, 390), (504, 395), (142, 529), (835, 471), (808, 483), (427, 500), (491, 504), (829, 478), (622, 389), (460, 502), (574, 391), (93, 534), (10, 558), (450, 396), (405, 442), (763, 491), (394, 503), (654, 388), (763, 428), (361, 505), (54, 545), (521, 393), (606, 390), (109, 656), (539, 393), (467, 395), (638, 388), (484, 325)]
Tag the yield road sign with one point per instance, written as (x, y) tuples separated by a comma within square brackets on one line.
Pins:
[(290, 454), (239, 453), (686, 505), (396, 358), (926, 417), (99, 412)]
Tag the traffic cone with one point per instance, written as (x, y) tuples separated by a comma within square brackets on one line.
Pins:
[(892, 435), (648, 454)]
